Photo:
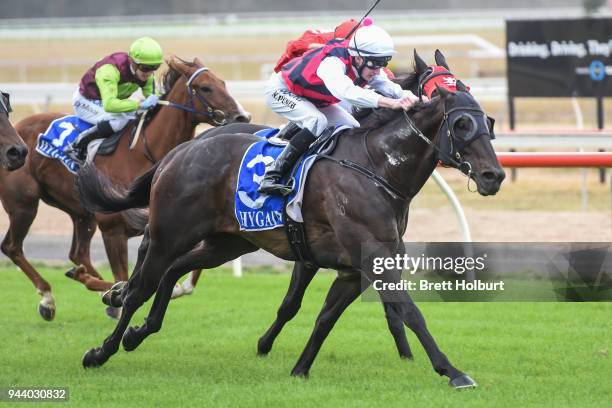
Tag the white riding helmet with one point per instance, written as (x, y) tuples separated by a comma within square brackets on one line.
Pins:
[(371, 41)]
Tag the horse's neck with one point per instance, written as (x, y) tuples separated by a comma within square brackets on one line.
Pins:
[(170, 126), (402, 157)]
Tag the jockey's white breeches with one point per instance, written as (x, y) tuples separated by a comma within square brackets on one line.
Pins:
[(91, 111), (303, 112)]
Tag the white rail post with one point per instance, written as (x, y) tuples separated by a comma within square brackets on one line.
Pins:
[(463, 223), (237, 266)]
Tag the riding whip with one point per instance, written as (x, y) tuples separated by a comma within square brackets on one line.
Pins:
[(140, 123), (362, 18)]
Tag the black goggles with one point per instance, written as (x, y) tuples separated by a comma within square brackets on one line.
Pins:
[(147, 68), (377, 62)]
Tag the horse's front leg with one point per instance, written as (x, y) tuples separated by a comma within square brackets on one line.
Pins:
[(301, 276), (342, 293), (395, 323), (402, 305)]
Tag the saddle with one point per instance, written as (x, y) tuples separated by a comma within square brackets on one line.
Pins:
[(109, 144)]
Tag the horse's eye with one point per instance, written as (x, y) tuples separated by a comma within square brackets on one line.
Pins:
[(205, 89), (462, 124)]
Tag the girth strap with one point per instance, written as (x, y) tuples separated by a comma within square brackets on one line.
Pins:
[(296, 234)]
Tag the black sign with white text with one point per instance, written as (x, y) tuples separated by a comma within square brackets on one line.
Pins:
[(559, 58)]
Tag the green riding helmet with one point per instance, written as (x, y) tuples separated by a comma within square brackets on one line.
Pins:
[(146, 51)]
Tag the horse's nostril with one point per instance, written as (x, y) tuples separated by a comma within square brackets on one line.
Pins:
[(242, 118), (13, 153), (17, 152), (488, 176)]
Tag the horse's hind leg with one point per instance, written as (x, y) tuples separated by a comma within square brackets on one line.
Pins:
[(21, 214), (115, 244), (83, 230), (208, 254), (188, 285), (301, 276), (141, 286)]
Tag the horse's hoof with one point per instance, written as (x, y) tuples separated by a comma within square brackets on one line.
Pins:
[(119, 286), (300, 373), (113, 312), (47, 313), (70, 273), (463, 381), (112, 298), (263, 349), (93, 358), (130, 339), (407, 357)]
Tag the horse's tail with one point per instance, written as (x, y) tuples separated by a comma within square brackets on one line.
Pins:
[(137, 218), (99, 194)]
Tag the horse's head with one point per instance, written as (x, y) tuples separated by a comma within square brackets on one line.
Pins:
[(207, 94), (465, 132), (13, 150)]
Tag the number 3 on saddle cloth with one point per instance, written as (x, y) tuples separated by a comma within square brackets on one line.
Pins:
[(257, 212)]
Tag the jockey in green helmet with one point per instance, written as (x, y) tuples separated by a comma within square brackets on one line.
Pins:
[(102, 98)]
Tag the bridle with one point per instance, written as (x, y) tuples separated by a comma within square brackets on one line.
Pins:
[(451, 157), (217, 116)]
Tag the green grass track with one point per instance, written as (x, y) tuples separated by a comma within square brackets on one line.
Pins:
[(521, 354)]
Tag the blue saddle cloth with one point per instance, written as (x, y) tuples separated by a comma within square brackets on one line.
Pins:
[(258, 212), (58, 136)]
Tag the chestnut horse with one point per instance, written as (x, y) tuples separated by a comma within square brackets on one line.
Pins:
[(197, 227), (13, 150), (195, 94)]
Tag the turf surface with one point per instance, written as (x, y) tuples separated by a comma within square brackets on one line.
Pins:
[(521, 354)]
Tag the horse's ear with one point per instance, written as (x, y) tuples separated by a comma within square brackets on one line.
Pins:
[(177, 65), (420, 65), (198, 62), (443, 92), (440, 60), (172, 62), (462, 87)]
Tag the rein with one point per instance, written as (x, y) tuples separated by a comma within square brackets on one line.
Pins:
[(217, 116), (463, 166)]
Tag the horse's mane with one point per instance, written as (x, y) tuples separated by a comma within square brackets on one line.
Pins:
[(170, 77), (376, 118)]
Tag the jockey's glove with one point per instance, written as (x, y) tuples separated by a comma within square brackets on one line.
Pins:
[(150, 102)]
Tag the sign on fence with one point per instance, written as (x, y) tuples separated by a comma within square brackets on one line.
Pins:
[(559, 58)]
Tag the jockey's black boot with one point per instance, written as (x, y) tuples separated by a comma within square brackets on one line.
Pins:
[(283, 163), (288, 131), (77, 151)]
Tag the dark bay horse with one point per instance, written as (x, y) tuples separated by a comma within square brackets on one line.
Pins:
[(203, 99), (192, 224), (13, 150)]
